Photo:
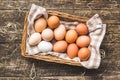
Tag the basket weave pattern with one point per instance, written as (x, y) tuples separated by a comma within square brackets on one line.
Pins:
[(50, 58)]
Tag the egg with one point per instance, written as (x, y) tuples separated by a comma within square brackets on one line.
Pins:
[(83, 41), (71, 36), (84, 54), (82, 29), (72, 50), (53, 22), (60, 46), (34, 39), (40, 25), (47, 34), (60, 32), (45, 46)]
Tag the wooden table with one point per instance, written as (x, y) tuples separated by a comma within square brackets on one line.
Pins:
[(14, 66)]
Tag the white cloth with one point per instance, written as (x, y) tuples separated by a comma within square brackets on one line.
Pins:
[(96, 32)]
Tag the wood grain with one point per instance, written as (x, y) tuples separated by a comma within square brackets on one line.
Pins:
[(15, 67)]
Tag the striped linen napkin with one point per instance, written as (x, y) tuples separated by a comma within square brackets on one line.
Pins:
[(96, 32)]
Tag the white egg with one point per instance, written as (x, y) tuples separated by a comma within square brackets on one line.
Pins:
[(45, 46), (47, 34), (34, 39)]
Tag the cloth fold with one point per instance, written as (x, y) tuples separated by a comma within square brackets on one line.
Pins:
[(96, 32), (35, 12)]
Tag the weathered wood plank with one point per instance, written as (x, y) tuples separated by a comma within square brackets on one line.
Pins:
[(67, 78), (116, 77), (17, 4), (62, 4), (14, 78), (82, 4), (11, 61), (111, 49), (12, 16), (107, 16)]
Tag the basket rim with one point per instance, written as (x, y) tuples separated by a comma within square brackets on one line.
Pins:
[(49, 58)]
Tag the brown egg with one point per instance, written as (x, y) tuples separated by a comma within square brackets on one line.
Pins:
[(40, 25), (84, 54), (82, 29), (53, 22), (72, 50), (71, 36), (60, 46), (83, 41)]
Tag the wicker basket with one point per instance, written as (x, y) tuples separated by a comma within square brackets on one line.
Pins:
[(49, 58)]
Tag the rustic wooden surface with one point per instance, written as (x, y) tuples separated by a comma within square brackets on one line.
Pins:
[(15, 67)]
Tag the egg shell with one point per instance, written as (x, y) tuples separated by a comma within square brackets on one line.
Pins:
[(40, 25), (82, 29), (72, 50), (60, 46), (71, 36), (45, 46), (34, 39), (83, 41), (84, 53), (60, 32), (53, 22), (47, 34)]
